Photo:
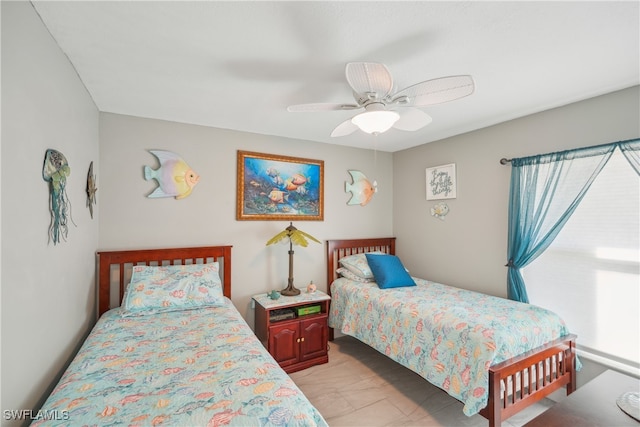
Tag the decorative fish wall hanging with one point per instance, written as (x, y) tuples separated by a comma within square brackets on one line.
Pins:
[(55, 171), (362, 190), (440, 210), (91, 189), (174, 176)]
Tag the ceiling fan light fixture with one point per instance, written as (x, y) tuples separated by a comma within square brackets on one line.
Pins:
[(375, 121), (373, 89)]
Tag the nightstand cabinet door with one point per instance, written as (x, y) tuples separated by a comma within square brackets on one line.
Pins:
[(314, 338), (284, 344)]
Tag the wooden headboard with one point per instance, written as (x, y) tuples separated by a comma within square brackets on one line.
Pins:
[(114, 267), (337, 249)]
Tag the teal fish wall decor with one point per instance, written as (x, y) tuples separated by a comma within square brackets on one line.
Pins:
[(174, 176), (55, 171), (362, 190)]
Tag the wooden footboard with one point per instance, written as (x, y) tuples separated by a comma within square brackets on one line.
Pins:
[(526, 379)]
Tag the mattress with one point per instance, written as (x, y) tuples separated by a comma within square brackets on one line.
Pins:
[(449, 336), (193, 367)]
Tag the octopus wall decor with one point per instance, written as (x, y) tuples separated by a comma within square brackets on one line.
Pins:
[(55, 171)]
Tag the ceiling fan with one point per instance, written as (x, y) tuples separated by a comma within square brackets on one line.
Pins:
[(372, 87)]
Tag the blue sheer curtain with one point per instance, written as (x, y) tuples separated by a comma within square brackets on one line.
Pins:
[(545, 190), (631, 150)]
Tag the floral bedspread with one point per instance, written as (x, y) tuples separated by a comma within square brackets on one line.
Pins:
[(448, 335), (199, 367)]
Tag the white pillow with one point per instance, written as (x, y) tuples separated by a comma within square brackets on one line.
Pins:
[(358, 265), (351, 276)]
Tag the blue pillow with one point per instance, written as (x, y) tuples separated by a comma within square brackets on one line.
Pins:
[(388, 271)]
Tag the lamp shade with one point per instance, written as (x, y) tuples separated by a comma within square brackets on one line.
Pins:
[(295, 236), (376, 119)]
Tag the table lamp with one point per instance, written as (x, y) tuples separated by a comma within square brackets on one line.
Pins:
[(297, 237)]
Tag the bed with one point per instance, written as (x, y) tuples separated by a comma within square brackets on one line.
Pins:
[(494, 355), (186, 357)]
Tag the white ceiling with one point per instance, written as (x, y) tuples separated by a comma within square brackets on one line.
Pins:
[(238, 65)]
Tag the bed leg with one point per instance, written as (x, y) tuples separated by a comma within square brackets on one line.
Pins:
[(494, 408), (570, 355)]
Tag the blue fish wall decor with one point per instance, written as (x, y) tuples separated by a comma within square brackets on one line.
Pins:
[(174, 176)]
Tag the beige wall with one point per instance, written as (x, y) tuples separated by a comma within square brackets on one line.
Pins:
[(128, 219), (468, 249), (47, 290)]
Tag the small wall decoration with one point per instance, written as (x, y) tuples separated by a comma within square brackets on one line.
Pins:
[(91, 189), (271, 187), (441, 182), (440, 210), (362, 190), (174, 176), (55, 171)]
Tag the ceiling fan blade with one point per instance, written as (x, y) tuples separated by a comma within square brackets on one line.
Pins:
[(311, 108), (369, 80), (345, 128), (435, 91), (412, 119)]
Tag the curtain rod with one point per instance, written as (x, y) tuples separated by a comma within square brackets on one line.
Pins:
[(504, 160)]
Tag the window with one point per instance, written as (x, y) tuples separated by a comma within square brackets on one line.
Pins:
[(590, 275)]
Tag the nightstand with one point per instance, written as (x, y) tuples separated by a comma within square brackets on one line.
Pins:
[(294, 328)]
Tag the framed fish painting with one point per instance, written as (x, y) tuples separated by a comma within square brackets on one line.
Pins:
[(272, 187)]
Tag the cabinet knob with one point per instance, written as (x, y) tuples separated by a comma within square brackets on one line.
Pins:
[(302, 339)]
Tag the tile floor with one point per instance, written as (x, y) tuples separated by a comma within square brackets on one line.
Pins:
[(361, 387)]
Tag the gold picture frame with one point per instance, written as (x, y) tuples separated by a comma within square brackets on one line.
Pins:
[(277, 188)]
